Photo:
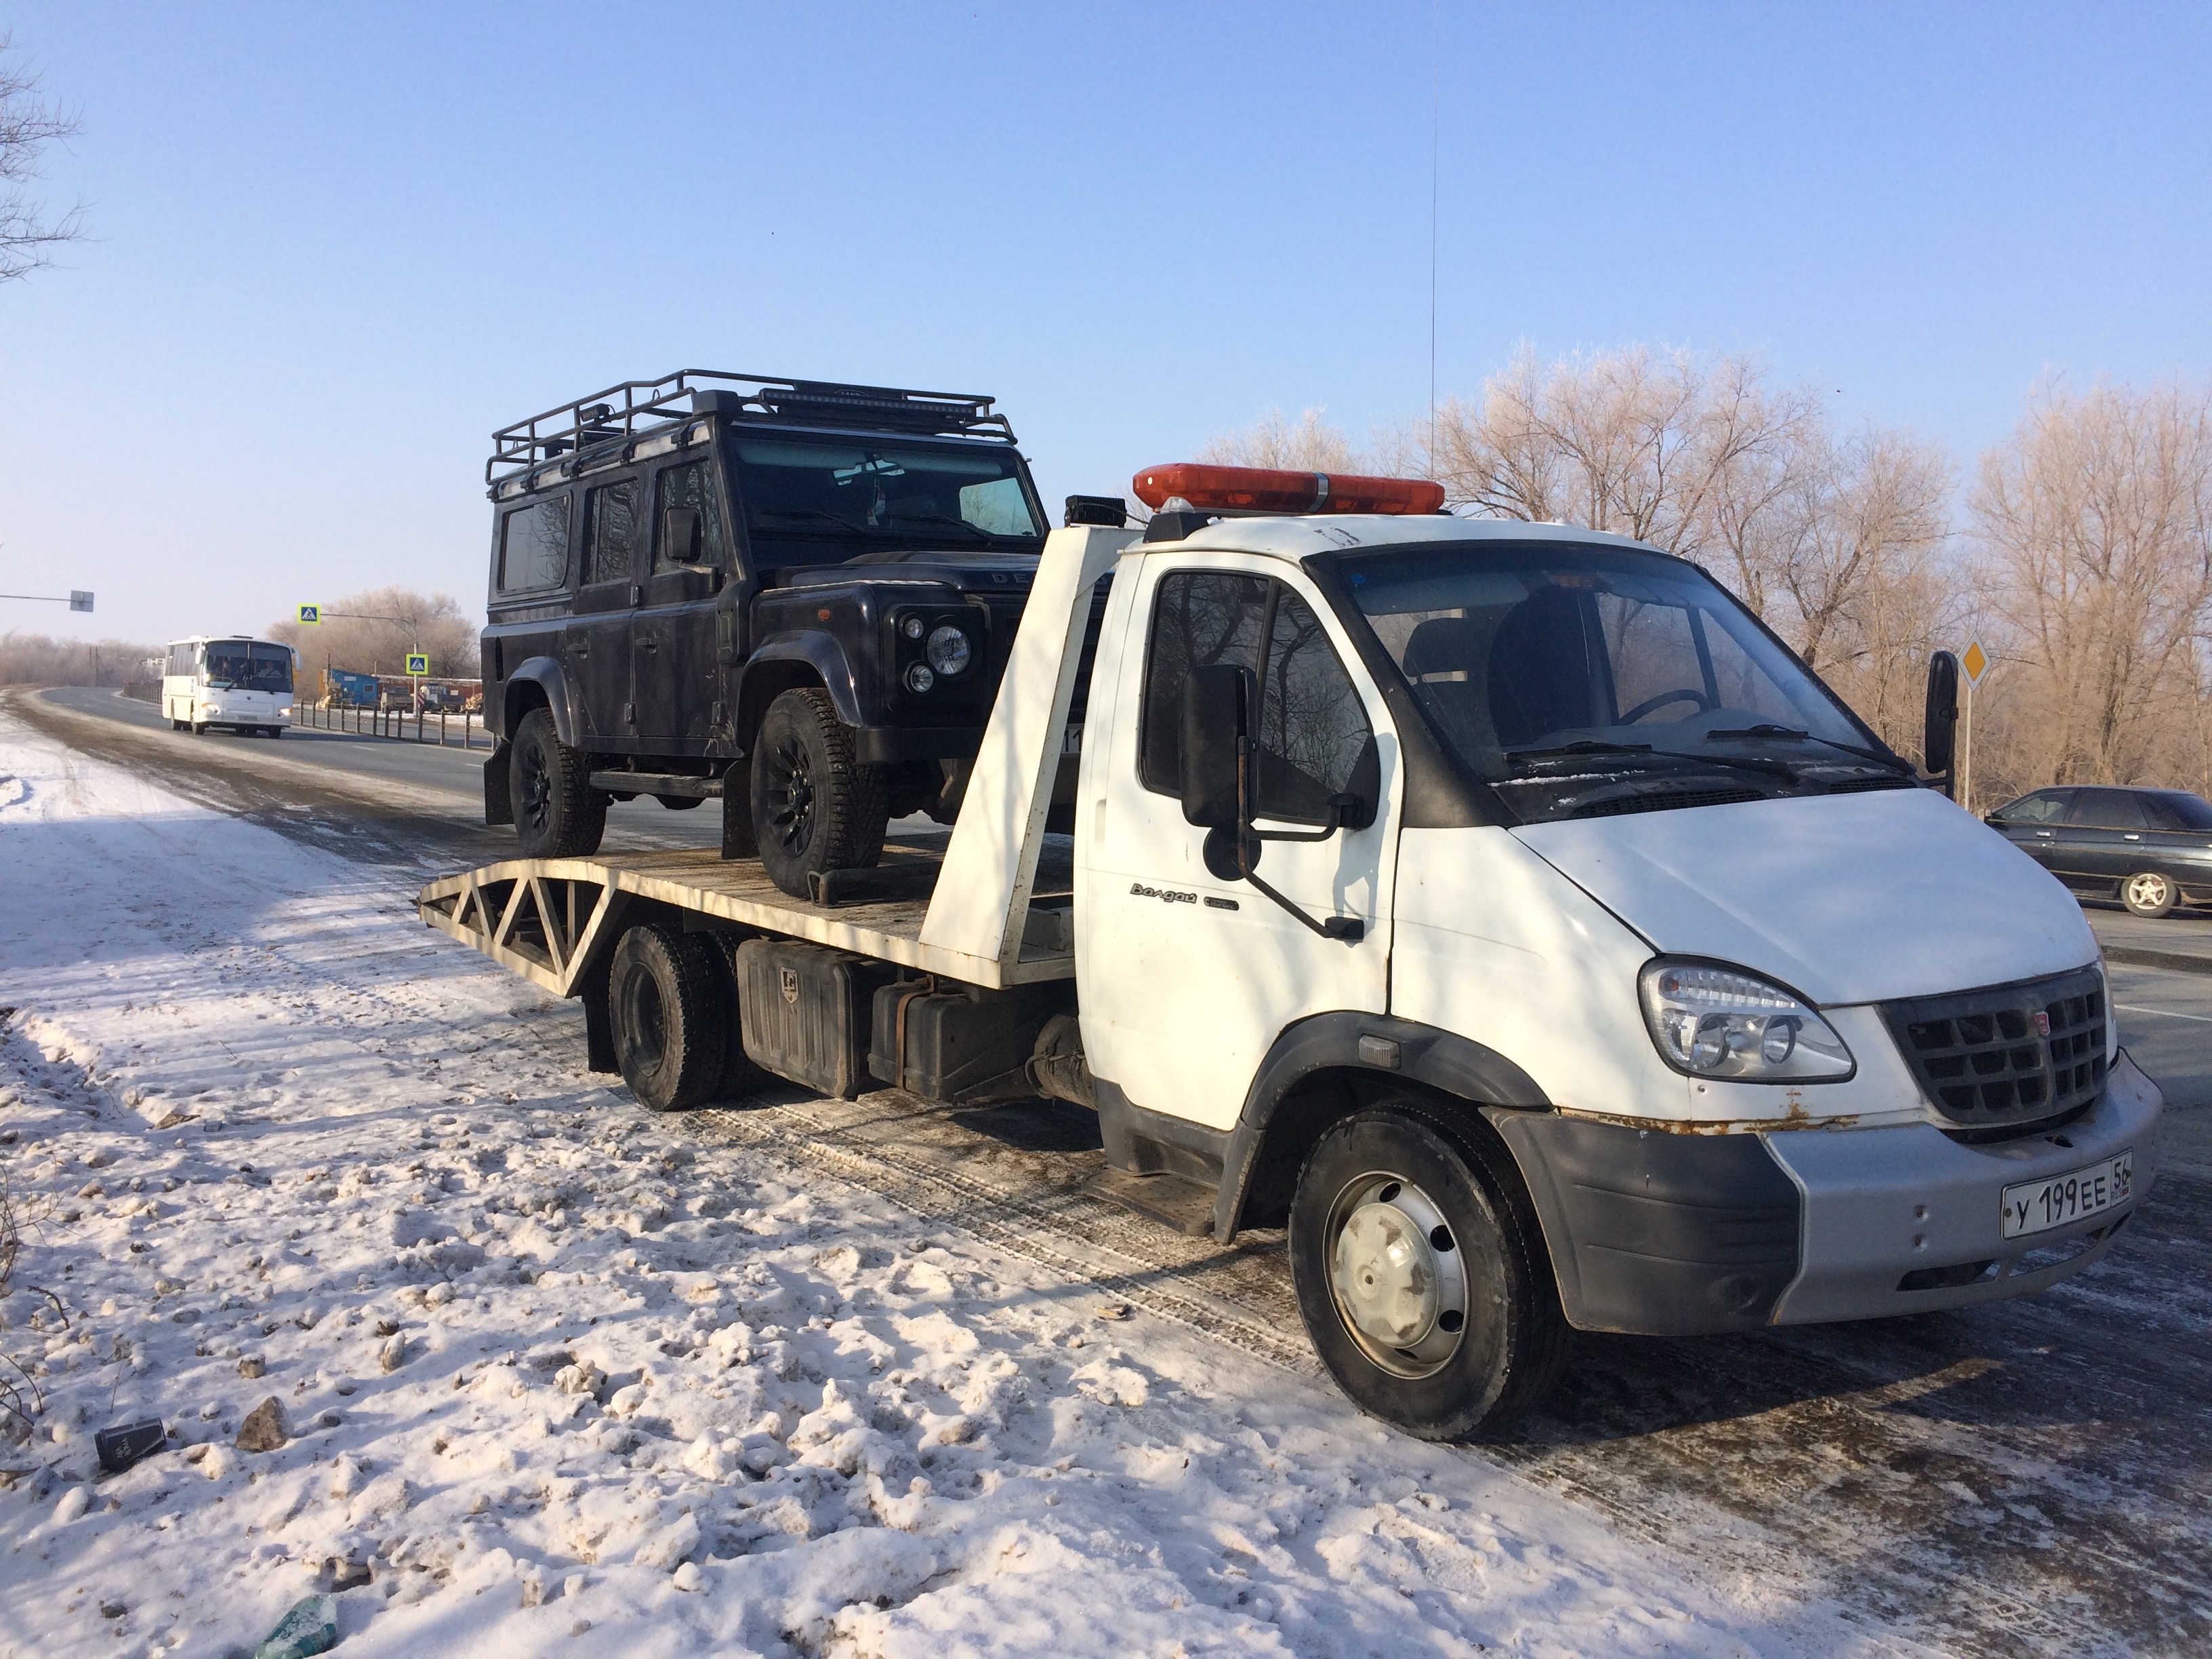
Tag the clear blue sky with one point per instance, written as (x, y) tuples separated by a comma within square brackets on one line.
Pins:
[(336, 245)]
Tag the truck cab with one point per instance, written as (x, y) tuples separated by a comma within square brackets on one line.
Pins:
[(793, 596)]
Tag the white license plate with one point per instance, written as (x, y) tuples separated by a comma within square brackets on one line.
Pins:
[(2036, 1206)]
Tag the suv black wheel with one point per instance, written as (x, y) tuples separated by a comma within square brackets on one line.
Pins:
[(668, 1006), (557, 814), (815, 807), (1422, 1279)]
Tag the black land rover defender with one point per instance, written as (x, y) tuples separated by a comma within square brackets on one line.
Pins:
[(794, 596)]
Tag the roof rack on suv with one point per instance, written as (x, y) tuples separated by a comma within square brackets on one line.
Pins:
[(637, 407)]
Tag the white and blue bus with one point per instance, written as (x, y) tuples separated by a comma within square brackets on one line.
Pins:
[(245, 685)]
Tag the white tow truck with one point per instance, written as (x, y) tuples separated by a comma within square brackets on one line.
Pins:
[(1500, 907)]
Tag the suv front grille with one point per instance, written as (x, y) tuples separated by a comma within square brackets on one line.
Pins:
[(2009, 1057)]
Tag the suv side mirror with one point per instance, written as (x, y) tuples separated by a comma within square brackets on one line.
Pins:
[(1216, 704), (679, 534), (1940, 725)]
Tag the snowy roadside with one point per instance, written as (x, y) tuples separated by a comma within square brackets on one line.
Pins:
[(559, 1378)]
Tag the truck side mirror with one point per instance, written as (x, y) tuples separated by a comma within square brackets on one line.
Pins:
[(1216, 701), (679, 534), (1940, 726)]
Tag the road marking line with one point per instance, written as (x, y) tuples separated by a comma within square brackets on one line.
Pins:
[(2168, 1013)]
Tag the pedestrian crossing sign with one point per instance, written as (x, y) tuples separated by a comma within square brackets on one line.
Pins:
[(418, 662), (311, 616)]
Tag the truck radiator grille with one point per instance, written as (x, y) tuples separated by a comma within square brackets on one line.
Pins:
[(2009, 1058)]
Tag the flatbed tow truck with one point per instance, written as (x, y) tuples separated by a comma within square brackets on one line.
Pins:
[(1604, 973)]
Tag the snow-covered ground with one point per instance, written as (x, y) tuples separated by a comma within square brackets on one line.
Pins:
[(564, 1378)]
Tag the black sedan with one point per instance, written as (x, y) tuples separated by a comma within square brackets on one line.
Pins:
[(2149, 848)]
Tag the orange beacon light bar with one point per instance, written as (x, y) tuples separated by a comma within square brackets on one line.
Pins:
[(1263, 489)]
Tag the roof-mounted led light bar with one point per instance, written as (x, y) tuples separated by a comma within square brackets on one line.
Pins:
[(1255, 490)]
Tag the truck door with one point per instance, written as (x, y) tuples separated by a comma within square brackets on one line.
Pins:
[(1188, 979), (672, 653), (597, 643)]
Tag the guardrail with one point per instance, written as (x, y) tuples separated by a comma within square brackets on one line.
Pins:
[(389, 723)]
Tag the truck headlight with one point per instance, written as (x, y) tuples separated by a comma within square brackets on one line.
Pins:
[(919, 678), (949, 650), (1709, 1020)]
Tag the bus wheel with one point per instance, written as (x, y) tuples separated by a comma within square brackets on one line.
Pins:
[(557, 814), (1422, 1279), (669, 1013), (816, 808)]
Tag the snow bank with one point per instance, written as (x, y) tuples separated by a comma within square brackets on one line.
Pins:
[(555, 1378)]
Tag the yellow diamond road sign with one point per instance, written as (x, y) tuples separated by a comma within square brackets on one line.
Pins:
[(417, 663), (1976, 662), (312, 615)]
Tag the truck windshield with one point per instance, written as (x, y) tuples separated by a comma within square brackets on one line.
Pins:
[(1533, 657), (874, 494), (241, 665)]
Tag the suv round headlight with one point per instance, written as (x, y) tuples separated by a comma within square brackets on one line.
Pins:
[(919, 678), (1713, 1021), (949, 650)]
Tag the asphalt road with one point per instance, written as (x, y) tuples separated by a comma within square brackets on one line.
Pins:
[(2030, 1477)]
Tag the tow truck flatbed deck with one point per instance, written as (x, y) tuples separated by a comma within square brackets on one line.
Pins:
[(544, 917)]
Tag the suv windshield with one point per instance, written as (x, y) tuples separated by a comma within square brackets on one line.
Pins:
[(237, 665), (871, 493), (1532, 657)]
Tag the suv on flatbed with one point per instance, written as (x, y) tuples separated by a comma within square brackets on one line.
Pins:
[(792, 595)]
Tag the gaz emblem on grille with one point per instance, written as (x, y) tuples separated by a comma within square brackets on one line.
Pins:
[(788, 978), (2042, 1022)]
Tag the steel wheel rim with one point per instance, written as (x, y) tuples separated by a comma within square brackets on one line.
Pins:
[(1396, 1275), (2148, 892), (791, 797), (647, 1021), (537, 790)]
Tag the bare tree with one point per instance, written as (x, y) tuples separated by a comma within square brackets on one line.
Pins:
[(28, 126), (42, 659), (366, 641), (2093, 522), (1308, 444)]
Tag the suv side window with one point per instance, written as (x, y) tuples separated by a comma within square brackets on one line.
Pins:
[(1312, 740), (688, 489), (609, 534), (2106, 808), (533, 546)]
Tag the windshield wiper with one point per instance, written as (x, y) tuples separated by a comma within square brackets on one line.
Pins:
[(945, 518), (1773, 768), (841, 522), (1768, 729)]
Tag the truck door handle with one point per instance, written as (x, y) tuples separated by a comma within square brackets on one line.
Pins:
[(649, 642), (2045, 834), (581, 647)]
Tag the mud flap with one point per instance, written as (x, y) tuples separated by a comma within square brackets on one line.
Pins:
[(598, 1019), (498, 785), (738, 841)]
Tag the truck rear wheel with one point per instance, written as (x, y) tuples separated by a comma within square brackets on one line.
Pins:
[(816, 808), (668, 1008), (557, 814), (1422, 1279)]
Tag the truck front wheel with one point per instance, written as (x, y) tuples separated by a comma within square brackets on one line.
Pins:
[(668, 1010), (1423, 1283), (816, 808), (557, 814)]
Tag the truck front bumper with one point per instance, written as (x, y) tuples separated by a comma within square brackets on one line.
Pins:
[(1661, 1233), (1901, 1220)]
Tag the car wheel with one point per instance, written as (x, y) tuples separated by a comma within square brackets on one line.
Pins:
[(2149, 894), (1421, 1275), (668, 1009), (557, 814), (816, 808)]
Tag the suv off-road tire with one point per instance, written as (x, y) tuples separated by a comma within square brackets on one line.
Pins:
[(557, 814), (2148, 893), (668, 1008), (1513, 1342), (816, 808)]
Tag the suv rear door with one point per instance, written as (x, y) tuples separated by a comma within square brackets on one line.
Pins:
[(676, 677), (597, 643)]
